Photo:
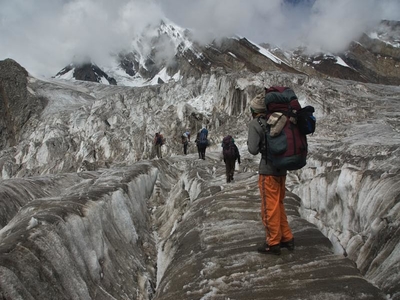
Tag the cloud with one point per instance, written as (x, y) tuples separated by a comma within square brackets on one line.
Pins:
[(45, 35), (212, 19), (334, 24), (320, 24)]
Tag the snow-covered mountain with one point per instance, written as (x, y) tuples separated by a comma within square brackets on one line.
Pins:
[(88, 212), (168, 52), (87, 72)]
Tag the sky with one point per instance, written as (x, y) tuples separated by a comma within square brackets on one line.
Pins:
[(44, 35)]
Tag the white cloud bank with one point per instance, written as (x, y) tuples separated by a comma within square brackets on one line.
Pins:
[(45, 35)]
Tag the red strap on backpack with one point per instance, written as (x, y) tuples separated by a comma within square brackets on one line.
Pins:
[(279, 89)]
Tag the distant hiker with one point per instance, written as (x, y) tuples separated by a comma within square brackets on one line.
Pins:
[(185, 141), (158, 142), (230, 154), (202, 142), (271, 184)]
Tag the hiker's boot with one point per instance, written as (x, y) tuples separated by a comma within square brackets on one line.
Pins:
[(265, 249), (288, 245)]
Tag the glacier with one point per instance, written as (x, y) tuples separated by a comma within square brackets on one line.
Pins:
[(88, 212)]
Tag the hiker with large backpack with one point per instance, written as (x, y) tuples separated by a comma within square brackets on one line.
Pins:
[(185, 141), (158, 142), (230, 153), (202, 142), (271, 183)]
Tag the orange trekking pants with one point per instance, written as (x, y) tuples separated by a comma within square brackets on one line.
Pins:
[(272, 191)]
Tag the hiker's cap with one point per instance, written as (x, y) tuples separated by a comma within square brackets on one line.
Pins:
[(257, 105)]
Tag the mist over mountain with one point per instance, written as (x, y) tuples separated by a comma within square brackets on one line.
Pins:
[(56, 31)]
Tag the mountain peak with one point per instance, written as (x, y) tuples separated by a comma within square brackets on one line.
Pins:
[(86, 71)]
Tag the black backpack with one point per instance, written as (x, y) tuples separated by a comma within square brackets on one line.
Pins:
[(203, 141), (306, 120), (228, 147)]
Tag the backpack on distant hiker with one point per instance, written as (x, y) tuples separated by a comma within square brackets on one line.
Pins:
[(185, 138), (228, 148), (160, 140), (202, 140), (288, 124)]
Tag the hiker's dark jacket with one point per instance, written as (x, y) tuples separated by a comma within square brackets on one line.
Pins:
[(255, 142), (237, 154)]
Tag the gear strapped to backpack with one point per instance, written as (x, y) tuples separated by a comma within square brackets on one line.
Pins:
[(287, 147), (228, 147), (306, 120)]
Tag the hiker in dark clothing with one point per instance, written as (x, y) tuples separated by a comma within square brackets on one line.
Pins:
[(158, 142), (271, 183), (230, 154), (185, 141), (202, 142)]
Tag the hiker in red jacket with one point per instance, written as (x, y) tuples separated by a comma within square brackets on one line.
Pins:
[(271, 183)]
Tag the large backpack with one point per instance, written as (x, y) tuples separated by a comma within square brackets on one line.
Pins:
[(288, 149), (228, 147), (202, 140)]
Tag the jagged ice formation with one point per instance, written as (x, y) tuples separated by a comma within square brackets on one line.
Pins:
[(126, 223)]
